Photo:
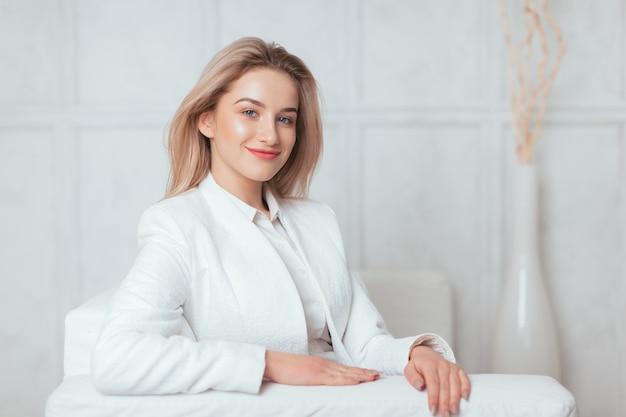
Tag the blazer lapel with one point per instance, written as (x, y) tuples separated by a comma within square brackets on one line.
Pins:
[(325, 260)]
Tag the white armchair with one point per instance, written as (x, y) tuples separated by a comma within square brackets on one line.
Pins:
[(405, 298)]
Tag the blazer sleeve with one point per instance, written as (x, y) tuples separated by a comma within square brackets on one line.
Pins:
[(369, 343), (140, 349)]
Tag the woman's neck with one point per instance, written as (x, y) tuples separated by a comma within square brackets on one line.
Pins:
[(248, 191)]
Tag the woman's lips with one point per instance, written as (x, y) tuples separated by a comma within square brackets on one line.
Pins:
[(264, 153)]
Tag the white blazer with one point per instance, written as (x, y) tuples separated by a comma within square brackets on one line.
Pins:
[(208, 294)]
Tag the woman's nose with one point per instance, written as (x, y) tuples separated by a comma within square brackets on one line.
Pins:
[(267, 132)]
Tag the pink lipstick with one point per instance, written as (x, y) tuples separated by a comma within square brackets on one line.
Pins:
[(266, 154)]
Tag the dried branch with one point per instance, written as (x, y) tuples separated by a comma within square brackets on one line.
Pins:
[(528, 101)]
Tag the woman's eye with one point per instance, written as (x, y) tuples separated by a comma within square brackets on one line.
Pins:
[(285, 120), (249, 113)]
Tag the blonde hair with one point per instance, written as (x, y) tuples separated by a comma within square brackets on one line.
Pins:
[(189, 150)]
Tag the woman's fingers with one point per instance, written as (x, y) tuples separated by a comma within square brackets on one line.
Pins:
[(445, 382), (425, 374), (336, 374), (465, 384), (357, 374), (455, 390), (343, 380), (433, 387), (293, 369), (414, 377)]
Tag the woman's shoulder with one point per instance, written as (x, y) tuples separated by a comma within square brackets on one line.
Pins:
[(181, 207)]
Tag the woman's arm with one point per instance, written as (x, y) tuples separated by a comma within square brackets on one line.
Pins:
[(427, 361), (140, 351), (370, 344)]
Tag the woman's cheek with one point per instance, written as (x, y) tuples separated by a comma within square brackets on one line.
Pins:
[(240, 128)]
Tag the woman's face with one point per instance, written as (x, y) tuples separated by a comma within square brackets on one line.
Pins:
[(253, 128)]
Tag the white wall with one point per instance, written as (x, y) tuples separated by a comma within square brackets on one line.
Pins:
[(418, 159)]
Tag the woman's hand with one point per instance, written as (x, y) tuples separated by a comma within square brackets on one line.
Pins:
[(293, 369), (445, 381)]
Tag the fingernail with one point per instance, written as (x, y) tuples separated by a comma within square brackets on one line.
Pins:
[(433, 410), (465, 395), (455, 408), (371, 372), (419, 385)]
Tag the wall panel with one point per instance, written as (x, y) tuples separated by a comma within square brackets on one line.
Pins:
[(420, 209), (593, 66), (31, 65), (331, 184), (581, 185), (142, 53), (122, 172), (406, 56), (29, 327)]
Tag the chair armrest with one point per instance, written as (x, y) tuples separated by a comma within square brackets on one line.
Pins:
[(492, 395)]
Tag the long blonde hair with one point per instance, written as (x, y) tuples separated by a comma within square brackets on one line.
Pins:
[(189, 150)]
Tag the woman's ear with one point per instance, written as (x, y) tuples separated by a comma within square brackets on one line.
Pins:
[(205, 124)]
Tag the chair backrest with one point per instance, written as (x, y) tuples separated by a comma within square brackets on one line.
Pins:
[(412, 301)]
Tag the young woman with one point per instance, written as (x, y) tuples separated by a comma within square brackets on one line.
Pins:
[(239, 277)]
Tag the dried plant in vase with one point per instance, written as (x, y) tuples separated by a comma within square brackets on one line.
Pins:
[(528, 95), (525, 335)]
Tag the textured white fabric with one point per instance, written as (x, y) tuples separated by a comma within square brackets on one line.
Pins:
[(202, 262), (312, 304), (492, 396)]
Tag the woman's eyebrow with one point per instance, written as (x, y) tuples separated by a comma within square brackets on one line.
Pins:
[(260, 104), (251, 100)]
